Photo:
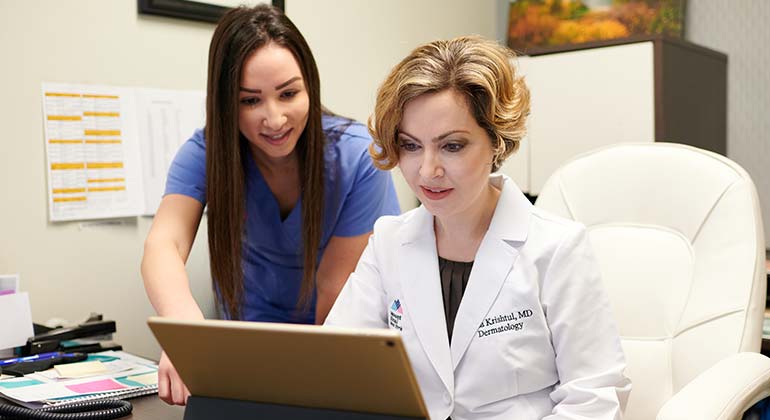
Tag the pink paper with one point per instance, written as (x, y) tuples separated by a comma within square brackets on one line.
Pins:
[(95, 386)]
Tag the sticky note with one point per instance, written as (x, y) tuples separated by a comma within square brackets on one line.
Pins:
[(101, 358), (19, 384), (146, 379), (80, 369), (95, 386)]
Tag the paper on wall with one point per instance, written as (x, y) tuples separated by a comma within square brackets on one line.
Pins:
[(109, 147), (93, 152), (166, 119)]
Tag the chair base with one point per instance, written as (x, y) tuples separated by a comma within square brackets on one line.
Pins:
[(204, 408)]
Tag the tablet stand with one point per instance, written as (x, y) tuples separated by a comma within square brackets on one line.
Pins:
[(204, 408)]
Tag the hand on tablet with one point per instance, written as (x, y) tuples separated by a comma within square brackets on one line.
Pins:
[(171, 389)]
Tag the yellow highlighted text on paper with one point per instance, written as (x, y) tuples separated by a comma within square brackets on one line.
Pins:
[(65, 118), (97, 180), (103, 189), (74, 165), (91, 95), (78, 141), (104, 165), (68, 190), (112, 141), (102, 132), (67, 199), (100, 114), (70, 95)]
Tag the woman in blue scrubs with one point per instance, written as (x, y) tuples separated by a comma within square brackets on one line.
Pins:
[(292, 194)]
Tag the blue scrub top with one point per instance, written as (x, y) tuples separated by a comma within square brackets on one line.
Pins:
[(356, 194)]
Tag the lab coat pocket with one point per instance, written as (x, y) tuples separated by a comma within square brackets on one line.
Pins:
[(490, 382)]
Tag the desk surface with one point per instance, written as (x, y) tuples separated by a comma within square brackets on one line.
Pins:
[(151, 407)]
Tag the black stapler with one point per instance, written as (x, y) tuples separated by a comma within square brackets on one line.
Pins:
[(91, 336)]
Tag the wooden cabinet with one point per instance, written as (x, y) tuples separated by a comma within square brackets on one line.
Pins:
[(633, 90)]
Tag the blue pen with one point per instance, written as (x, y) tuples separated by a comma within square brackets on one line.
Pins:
[(34, 357)]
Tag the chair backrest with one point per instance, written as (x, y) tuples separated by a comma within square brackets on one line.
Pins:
[(678, 235)]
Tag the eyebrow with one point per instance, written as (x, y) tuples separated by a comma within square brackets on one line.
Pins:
[(279, 87), (437, 138)]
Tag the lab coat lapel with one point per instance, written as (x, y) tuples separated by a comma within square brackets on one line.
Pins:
[(421, 286), (494, 260)]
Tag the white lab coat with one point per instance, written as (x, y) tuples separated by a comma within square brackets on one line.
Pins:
[(534, 336)]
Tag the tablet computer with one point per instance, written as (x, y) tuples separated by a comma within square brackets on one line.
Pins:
[(348, 369)]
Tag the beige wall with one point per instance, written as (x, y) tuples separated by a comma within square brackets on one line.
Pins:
[(357, 42), (72, 269)]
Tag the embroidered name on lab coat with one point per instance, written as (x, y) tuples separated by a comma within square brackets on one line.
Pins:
[(513, 321)]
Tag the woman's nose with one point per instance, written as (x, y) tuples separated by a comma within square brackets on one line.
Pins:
[(274, 118), (431, 166)]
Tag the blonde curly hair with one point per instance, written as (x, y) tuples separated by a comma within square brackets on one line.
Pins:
[(479, 69)]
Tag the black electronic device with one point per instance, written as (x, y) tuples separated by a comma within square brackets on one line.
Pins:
[(67, 339), (204, 408)]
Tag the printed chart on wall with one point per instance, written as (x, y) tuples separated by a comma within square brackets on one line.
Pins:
[(166, 119), (90, 153), (109, 147)]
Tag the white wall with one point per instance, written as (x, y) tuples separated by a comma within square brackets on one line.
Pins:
[(72, 269)]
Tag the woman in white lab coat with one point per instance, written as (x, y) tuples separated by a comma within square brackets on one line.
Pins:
[(500, 305)]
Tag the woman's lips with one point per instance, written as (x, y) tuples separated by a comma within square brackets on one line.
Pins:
[(278, 138), (435, 193)]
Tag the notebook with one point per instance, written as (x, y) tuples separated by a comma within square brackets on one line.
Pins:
[(128, 376), (122, 394), (362, 370)]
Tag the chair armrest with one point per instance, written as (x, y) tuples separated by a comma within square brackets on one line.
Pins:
[(722, 392)]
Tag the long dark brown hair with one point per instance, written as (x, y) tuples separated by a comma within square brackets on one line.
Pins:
[(239, 33)]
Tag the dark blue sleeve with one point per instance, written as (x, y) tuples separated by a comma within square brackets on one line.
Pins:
[(187, 173), (372, 194)]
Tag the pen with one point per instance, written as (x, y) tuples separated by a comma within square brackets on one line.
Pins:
[(20, 366), (34, 357)]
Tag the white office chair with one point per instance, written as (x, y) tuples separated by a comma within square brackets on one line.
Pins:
[(679, 238)]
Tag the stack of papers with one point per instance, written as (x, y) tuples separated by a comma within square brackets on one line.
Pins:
[(16, 312), (109, 374)]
